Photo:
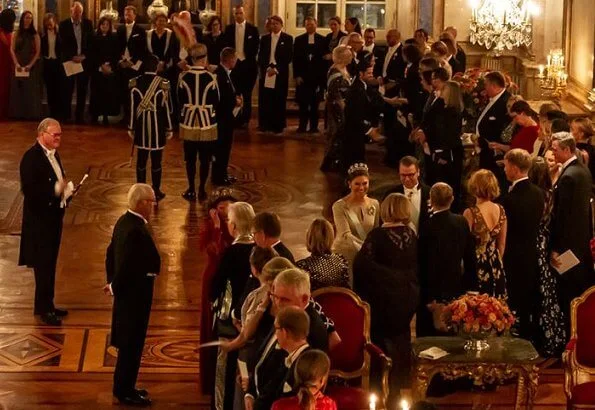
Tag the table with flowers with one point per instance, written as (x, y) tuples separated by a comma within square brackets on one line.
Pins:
[(506, 357)]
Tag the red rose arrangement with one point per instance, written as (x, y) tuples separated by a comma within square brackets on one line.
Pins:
[(475, 313)]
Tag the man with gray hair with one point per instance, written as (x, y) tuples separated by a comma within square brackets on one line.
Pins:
[(45, 189), (198, 98), (132, 263), (571, 221)]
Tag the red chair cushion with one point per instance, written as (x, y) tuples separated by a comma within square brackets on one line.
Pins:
[(585, 332), (348, 316), (348, 398), (583, 393)]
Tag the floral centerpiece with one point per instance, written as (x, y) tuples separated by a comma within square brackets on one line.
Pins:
[(474, 95), (477, 316)]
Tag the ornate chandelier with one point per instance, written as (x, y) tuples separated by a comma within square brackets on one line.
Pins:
[(553, 77), (502, 24)]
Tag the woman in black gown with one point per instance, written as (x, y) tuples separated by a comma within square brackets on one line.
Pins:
[(214, 40), (104, 84), (385, 275)]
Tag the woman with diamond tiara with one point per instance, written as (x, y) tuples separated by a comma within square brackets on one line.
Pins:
[(354, 215)]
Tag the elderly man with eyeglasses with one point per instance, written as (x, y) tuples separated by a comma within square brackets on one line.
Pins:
[(45, 188)]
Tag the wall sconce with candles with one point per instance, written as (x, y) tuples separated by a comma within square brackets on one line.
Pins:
[(553, 77)]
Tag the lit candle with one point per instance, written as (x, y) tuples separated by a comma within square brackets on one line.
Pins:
[(541, 70), (404, 405), (549, 59), (373, 400)]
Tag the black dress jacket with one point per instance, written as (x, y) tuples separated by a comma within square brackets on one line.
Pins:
[(136, 43), (227, 98), (308, 62), (131, 261), (447, 258), (283, 57), (45, 48), (42, 215), (424, 212), (251, 40), (490, 129), (69, 47)]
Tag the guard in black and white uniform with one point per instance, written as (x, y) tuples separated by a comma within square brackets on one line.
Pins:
[(198, 99), (150, 122)]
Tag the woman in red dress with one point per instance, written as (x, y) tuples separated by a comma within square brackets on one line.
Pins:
[(214, 239), (527, 120), (311, 374), (7, 19)]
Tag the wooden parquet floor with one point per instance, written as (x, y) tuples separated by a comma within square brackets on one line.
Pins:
[(71, 367)]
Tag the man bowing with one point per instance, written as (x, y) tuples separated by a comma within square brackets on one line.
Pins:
[(132, 263)]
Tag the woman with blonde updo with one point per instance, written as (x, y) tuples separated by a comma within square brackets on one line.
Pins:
[(337, 85), (487, 222), (311, 375)]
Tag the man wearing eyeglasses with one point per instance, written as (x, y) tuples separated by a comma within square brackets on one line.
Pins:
[(45, 188), (132, 263)]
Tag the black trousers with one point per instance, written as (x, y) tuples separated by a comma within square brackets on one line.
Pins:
[(156, 170), (272, 107), (82, 82), (451, 173), (243, 77), (45, 280), (307, 98), (204, 151), (52, 73), (127, 366), (223, 150)]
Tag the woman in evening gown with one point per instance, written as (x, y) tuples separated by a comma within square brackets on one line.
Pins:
[(354, 215), (338, 83), (551, 339), (487, 222), (25, 101), (214, 240)]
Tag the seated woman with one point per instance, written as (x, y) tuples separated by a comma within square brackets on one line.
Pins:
[(355, 215), (487, 222), (385, 275), (311, 375), (324, 267)]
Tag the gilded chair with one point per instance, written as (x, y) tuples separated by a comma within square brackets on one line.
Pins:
[(351, 360), (579, 356)]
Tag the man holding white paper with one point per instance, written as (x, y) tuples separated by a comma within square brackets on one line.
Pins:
[(571, 222), (45, 188), (76, 33), (132, 47)]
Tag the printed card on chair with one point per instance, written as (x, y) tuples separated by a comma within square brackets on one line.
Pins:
[(433, 353)]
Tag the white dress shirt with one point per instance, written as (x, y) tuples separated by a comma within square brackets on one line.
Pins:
[(51, 45), (128, 34), (389, 55), (487, 108), (240, 34), (414, 195), (274, 41), (370, 48), (51, 156)]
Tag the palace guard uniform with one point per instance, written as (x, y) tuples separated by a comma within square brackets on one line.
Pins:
[(150, 124), (198, 98)]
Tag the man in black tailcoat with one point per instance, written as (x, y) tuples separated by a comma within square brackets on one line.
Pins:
[(571, 221), (243, 37), (229, 100), (524, 205), (491, 122), (309, 71), (76, 33), (276, 52), (132, 262), (45, 190), (446, 257), (132, 46)]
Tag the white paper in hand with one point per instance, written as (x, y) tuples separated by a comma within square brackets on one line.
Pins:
[(567, 260), (270, 80), (22, 73), (68, 190), (71, 68), (433, 353), (243, 369)]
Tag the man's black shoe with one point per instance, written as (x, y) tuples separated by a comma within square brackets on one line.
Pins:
[(189, 195), (60, 312), (51, 319), (158, 194), (142, 393), (202, 195), (134, 399)]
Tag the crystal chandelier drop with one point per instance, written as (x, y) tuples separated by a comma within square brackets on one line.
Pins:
[(501, 24)]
